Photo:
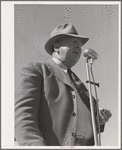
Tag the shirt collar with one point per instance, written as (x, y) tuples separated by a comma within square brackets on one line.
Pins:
[(58, 62)]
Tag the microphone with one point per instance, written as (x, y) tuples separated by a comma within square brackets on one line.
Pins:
[(90, 53)]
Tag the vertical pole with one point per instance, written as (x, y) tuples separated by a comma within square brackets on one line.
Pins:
[(91, 105), (97, 105)]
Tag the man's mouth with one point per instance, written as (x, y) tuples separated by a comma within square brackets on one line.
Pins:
[(76, 53)]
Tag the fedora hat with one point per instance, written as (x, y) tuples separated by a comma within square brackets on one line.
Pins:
[(62, 31)]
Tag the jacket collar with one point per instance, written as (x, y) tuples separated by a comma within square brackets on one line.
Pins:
[(59, 73)]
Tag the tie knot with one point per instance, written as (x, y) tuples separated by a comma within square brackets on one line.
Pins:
[(71, 75), (69, 71)]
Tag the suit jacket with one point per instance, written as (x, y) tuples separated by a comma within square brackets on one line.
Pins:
[(44, 105)]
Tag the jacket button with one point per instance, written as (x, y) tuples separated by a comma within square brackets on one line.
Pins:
[(73, 96), (73, 134), (73, 114)]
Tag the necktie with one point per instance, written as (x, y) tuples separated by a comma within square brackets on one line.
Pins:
[(80, 87), (76, 81)]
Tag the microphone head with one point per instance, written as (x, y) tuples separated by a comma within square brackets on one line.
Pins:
[(90, 53)]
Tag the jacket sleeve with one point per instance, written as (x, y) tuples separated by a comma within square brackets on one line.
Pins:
[(27, 103), (97, 126), (95, 112)]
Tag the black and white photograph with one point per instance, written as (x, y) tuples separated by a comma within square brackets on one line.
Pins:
[(61, 74)]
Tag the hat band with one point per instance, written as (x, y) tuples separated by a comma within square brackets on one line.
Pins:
[(58, 33)]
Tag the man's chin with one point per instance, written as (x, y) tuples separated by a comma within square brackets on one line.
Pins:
[(74, 62)]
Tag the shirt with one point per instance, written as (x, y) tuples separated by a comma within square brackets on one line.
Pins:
[(58, 62)]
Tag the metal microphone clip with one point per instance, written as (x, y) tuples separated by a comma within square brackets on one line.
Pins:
[(97, 84)]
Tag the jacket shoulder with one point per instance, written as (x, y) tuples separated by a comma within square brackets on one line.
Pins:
[(37, 66)]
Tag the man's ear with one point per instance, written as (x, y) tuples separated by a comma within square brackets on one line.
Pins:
[(56, 47)]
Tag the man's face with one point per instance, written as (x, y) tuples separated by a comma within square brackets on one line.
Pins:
[(70, 50)]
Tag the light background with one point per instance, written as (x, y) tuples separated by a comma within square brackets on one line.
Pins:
[(99, 22)]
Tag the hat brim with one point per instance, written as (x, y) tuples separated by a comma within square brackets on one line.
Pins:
[(49, 45)]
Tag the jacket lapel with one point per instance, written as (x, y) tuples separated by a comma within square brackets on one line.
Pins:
[(59, 73), (63, 77)]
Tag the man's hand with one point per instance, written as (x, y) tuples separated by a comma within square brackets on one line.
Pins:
[(104, 116)]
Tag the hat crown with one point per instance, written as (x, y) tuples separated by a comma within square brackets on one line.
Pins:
[(67, 28)]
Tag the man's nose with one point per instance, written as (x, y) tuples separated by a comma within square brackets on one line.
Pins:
[(78, 48)]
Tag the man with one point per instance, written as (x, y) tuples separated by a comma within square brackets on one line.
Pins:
[(52, 108)]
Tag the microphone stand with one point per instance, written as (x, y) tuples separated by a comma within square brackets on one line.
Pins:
[(97, 142), (97, 104)]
